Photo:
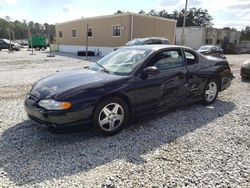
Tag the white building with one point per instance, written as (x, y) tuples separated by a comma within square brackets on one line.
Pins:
[(196, 36)]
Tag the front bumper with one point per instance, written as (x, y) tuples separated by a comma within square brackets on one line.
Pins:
[(56, 119)]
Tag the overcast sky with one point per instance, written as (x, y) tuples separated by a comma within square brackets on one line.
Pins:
[(232, 13)]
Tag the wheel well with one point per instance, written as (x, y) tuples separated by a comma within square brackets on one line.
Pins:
[(119, 95), (218, 78)]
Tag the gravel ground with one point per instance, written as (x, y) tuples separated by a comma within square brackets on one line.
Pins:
[(194, 146)]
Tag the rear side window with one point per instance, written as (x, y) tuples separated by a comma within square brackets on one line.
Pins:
[(165, 42), (191, 58), (148, 41), (156, 41), (168, 59)]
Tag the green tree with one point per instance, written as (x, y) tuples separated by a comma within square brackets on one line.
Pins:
[(245, 34), (142, 12), (153, 13), (119, 12), (194, 16), (20, 29)]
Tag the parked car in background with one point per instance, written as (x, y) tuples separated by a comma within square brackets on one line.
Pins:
[(23, 43), (245, 70), (38, 42), (147, 41), (7, 44), (131, 82), (211, 50)]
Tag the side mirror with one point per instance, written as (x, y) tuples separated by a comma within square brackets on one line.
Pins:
[(151, 70)]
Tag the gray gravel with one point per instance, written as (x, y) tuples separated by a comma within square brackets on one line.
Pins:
[(194, 146)]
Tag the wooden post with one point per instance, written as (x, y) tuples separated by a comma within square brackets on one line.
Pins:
[(10, 48), (31, 43)]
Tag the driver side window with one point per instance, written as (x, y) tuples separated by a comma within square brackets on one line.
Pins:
[(168, 59)]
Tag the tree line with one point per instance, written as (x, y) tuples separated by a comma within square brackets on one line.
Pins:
[(194, 17), (245, 34), (19, 30)]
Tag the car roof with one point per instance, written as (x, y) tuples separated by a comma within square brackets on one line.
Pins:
[(156, 47), (147, 38), (210, 46)]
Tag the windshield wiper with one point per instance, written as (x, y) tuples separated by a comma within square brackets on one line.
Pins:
[(103, 68)]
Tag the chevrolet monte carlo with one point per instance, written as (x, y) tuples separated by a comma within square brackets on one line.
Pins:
[(129, 83)]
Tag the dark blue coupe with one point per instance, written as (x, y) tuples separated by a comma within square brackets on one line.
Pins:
[(130, 82)]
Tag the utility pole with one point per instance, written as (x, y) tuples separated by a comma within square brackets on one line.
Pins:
[(184, 24), (87, 41)]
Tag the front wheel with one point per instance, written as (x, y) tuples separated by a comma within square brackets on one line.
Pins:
[(110, 116), (210, 92)]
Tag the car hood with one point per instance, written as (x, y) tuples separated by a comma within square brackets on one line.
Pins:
[(56, 84)]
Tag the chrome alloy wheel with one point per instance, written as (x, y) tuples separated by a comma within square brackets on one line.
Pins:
[(211, 91), (111, 117)]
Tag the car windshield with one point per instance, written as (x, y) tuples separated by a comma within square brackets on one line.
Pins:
[(122, 61), (134, 42), (6, 41)]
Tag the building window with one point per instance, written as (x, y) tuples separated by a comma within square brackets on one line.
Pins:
[(73, 33), (219, 41), (90, 30), (60, 34), (209, 41), (116, 30)]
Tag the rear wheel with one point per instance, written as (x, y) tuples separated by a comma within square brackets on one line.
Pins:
[(110, 116), (210, 92)]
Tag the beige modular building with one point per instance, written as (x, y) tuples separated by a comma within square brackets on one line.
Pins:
[(107, 32), (197, 36)]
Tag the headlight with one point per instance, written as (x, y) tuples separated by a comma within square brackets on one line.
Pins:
[(50, 104)]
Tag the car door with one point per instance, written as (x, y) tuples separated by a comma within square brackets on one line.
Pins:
[(196, 82), (166, 88)]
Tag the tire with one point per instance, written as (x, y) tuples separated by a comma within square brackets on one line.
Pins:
[(210, 92), (110, 116), (43, 48)]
